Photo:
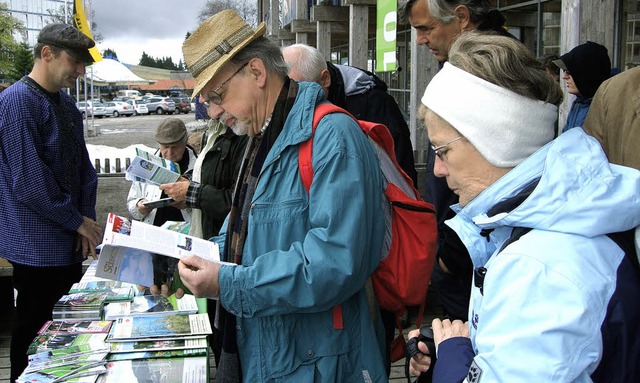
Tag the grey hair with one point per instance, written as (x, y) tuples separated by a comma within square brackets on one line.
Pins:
[(505, 62), (479, 11), (309, 62), (266, 50), (443, 9)]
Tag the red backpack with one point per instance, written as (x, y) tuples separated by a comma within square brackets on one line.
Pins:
[(402, 277)]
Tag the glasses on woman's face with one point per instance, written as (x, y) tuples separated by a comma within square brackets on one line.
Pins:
[(214, 96), (441, 151)]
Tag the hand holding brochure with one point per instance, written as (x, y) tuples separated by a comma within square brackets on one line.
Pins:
[(147, 167)]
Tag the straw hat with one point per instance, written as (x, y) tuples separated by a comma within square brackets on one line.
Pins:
[(214, 43)]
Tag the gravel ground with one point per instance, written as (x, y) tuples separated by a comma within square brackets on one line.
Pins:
[(121, 132)]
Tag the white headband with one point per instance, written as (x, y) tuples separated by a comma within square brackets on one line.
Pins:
[(504, 126)]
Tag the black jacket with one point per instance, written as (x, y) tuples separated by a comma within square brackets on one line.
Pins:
[(375, 105)]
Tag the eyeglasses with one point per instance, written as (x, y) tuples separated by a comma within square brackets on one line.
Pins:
[(441, 150), (213, 96)]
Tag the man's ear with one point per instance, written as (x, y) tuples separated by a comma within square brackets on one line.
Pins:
[(46, 53), (325, 80), (462, 14), (258, 71)]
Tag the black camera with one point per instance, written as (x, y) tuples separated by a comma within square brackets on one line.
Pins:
[(425, 336)]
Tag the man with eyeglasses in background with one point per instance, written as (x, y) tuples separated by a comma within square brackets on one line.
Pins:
[(437, 24), (48, 185)]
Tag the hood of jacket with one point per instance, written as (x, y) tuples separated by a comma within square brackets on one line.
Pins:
[(589, 65), (567, 186)]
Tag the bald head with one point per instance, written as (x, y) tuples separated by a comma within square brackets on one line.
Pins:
[(306, 63)]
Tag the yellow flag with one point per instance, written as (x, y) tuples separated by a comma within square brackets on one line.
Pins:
[(81, 23)]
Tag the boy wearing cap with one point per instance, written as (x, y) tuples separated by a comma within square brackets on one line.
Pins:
[(171, 136), (47, 183)]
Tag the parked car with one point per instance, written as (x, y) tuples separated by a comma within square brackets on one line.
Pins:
[(161, 105), (139, 107), (119, 108), (91, 108), (183, 104)]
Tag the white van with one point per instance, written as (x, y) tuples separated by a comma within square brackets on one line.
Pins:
[(126, 93)]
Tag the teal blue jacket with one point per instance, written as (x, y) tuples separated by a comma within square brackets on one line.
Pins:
[(307, 253)]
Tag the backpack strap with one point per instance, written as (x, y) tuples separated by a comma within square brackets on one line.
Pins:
[(306, 148), (305, 167)]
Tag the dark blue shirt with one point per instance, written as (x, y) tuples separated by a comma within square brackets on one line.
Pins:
[(47, 182)]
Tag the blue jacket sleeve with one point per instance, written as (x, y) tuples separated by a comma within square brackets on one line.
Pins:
[(454, 358)]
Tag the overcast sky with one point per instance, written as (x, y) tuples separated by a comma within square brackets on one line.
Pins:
[(157, 27)]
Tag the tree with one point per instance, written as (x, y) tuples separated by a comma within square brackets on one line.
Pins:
[(162, 62), (57, 15), (246, 9), (8, 45), (22, 62), (146, 60)]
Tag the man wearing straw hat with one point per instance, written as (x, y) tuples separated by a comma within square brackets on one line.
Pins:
[(294, 307)]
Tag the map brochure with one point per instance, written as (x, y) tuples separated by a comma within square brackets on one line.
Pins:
[(147, 167)]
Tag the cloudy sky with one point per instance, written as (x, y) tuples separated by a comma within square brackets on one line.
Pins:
[(157, 27)]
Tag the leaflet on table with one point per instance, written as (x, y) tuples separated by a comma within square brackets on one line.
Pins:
[(156, 326), (179, 370), (121, 231), (152, 305), (147, 167)]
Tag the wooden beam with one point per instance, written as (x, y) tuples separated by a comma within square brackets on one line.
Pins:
[(329, 13), (358, 28), (303, 26)]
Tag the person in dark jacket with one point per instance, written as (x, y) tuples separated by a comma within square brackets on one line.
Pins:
[(207, 191), (584, 68), (359, 92)]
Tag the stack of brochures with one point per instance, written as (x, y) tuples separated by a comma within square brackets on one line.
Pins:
[(88, 305), (150, 339), (68, 351), (173, 347)]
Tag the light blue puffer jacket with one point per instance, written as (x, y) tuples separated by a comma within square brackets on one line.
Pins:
[(541, 313)]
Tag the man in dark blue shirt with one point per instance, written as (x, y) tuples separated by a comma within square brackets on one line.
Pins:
[(47, 183)]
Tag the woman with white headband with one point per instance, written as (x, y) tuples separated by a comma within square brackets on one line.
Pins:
[(559, 302)]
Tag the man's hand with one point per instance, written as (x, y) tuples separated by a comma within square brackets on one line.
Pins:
[(89, 236), (142, 209), (166, 291), (176, 190), (200, 276), (421, 362)]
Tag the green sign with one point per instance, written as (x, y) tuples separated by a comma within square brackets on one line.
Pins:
[(386, 35)]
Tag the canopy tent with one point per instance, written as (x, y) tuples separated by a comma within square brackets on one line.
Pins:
[(112, 72)]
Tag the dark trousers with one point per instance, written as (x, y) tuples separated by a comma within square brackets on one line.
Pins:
[(39, 288)]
